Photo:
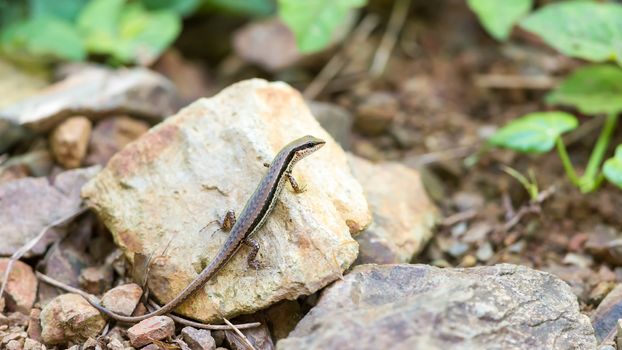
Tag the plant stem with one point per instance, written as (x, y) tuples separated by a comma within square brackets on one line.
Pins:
[(596, 158), (563, 155)]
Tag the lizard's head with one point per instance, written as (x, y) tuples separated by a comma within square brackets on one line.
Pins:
[(306, 145)]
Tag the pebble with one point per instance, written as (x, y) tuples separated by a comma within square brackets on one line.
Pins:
[(21, 288), (484, 252), (153, 328), (69, 141), (375, 113), (70, 318), (123, 299), (198, 339), (458, 249)]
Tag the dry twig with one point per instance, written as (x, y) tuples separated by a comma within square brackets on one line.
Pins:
[(336, 63), (240, 334), (396, 22), (524, 82)]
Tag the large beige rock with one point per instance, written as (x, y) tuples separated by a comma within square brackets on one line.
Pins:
[(159, 191), (403, 213)]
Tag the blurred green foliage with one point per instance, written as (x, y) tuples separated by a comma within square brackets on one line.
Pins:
[(138, 31), (498, 17)]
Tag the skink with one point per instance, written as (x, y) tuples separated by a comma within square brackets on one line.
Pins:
[(251, 219)]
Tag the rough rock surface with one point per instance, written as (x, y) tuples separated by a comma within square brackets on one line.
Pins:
[(21, 289), (70, 318), (153, 328), (112, 134), (403, 215), (423, 307), (159, 192), (43, 200), (122, 299), (607, 314), (95, 92), (69, 141)]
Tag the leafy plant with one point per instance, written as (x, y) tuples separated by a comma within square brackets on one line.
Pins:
[(584, 29), (592, 90), (314, 21), (498, 17), (125, 31)]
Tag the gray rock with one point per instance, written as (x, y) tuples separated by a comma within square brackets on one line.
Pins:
[(27, 205), (403, 215), (94, 93), (605, 317), (423, 307), (158, 192), (337, 121)]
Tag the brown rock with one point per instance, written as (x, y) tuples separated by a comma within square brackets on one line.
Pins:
[(27, 205), (70, 318), (190, 77), (199, 161), (403, 215), (337, 121), (69, 140), (31, 344), (603, 243), (95, 92), (268, 43), (14, 345), (34, 325), (375, 113), (122, 299), (198, 339), (111, 135), (21, 289), (423, 307), (35, 163), (96, 279), (153, 328)]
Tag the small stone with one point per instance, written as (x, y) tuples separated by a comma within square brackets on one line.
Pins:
[(96, 279), (484, 252), (153, 328), (477, 232), (111, 135), (578, 260), (90, 343), (34, 325), (468, 201), (14, 345), (31, 344), (122, 299), (458, 249), (115, 344), (69, 141), (70, 318), (21, 289), (375, 113), (334, 119), (599, 244), (468, 261), (219, 337), (283, 317), (198, 339)]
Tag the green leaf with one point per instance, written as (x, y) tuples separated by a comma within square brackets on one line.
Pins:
[(613, 168), (127, 32), (498, 17), (534, 132), (595, 89), (64, 9), (313, 21), (181, 7), (241, 7), (43, 37), (585, 29), (145, 35)]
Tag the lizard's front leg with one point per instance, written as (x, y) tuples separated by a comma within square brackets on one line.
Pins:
[(252, 261)]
